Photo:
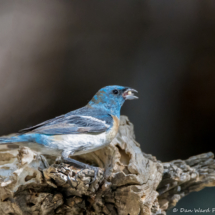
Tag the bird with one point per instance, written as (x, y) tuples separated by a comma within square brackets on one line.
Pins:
[(77, 132)]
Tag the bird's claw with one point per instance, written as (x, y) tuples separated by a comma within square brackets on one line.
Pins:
[(74, 180), (71, 181), (96, 170)]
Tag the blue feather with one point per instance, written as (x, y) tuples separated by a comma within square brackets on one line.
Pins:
[(33, 137), (14, 139)]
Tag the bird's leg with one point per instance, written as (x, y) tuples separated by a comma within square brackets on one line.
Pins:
[(46, 164), (80, 165)]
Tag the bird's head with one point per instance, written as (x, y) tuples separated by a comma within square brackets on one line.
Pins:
[(112, 98)]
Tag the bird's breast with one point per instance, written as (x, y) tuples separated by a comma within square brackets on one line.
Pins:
[(111, 134)]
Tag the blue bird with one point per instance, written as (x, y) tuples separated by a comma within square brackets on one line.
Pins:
[(81, 131)]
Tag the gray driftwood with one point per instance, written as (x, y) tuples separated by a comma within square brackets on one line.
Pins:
[(129, 181)]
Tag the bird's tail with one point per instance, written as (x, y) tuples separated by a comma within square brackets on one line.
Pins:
[(16, 139)]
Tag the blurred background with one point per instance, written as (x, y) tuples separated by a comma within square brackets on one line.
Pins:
[(55, 55)]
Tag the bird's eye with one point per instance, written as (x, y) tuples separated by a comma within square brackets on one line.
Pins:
[(115, 91)]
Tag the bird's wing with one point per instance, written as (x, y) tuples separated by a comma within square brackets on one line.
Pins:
[(73, 124), (45, 123)]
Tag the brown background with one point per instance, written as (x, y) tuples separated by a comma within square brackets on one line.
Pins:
[(54, 55)]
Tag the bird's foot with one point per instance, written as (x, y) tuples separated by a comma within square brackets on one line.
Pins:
[(74, 181), (83, 172), (83, 167), (95, 169)]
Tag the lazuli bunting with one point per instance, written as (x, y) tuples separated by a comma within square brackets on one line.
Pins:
[(84, 130)]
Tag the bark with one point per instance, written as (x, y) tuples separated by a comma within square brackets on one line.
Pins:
[(129, 181)]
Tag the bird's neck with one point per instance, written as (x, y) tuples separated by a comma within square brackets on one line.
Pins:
[(109, 108)]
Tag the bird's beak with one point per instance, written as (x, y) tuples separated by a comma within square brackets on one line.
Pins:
[(129, 94)]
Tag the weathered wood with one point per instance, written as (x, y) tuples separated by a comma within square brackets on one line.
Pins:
[(129, 181)]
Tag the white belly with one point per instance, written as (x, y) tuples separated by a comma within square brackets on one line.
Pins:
[(80, 143)]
